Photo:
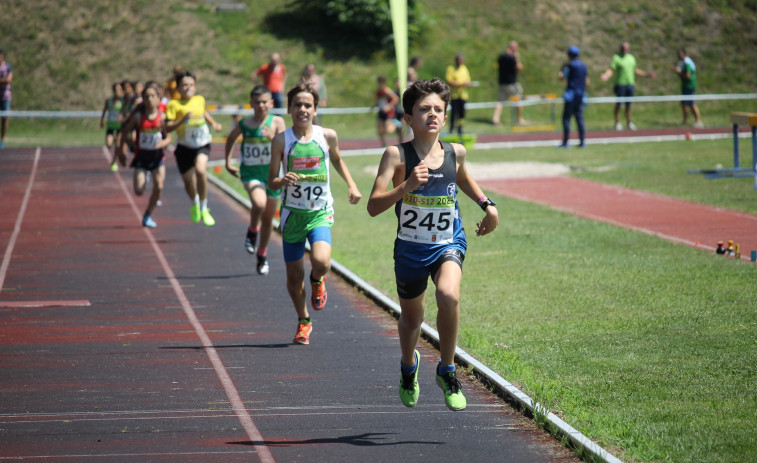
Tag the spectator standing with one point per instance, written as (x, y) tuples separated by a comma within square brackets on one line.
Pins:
[(623, 64), (412, 71), (458, 79), (509, 66), (687, 71), (273, 75), (577, 77), (386, 102), (310, 77), (6, 77)]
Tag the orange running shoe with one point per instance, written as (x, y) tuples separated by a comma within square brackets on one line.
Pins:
[(319, 296), (303, 333)]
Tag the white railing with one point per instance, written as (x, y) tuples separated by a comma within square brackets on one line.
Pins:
[(530, 100)]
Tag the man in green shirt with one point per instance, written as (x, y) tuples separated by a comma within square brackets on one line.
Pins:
[(623, 64), (687, 71)]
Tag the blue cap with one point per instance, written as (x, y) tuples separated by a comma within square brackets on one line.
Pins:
[(574, 50)]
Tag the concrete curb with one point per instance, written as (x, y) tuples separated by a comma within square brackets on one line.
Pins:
[(557, 425)]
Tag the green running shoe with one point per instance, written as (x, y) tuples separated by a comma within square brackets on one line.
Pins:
[(453, 396), (207, 219), (409, 390), (195, 213)]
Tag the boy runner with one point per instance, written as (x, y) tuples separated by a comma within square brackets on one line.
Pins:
[(188, 117), (112, 111), (425, 175), (147, 120), (303, 153), (257, 131)]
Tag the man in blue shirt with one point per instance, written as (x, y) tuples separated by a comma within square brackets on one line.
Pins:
[(576, 76)]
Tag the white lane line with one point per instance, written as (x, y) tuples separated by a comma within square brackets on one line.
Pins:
[(35, 304), (223, 375), (19, 219)]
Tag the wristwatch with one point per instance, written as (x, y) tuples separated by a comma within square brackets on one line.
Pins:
[(486, 202)]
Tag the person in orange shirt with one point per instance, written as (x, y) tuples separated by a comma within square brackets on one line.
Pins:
[(273, 75)]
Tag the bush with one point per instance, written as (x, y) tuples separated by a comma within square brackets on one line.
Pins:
[(339, 22)]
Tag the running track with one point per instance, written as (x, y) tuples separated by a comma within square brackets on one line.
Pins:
[(679, 221), (119, 343)]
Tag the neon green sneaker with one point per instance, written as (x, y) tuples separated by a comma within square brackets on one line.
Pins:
[(195, 213), (453, 396), (409, 390), (208, 219), (114, 167)]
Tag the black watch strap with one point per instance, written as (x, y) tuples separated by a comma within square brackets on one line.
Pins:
[(486, 203)]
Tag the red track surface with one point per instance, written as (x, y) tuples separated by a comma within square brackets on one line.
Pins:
[(683, 222)]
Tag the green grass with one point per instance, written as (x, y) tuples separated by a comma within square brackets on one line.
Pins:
[(81, 46), (645, 346)]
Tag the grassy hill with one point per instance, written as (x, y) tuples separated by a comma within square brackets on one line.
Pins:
[(65, 53)]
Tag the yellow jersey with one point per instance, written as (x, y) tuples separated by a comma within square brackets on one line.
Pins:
[(194, 132), (461, 75)]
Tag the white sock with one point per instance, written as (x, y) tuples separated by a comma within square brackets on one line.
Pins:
[(196, 199), (204, 204)]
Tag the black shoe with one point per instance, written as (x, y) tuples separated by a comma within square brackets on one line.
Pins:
[(249, 241), (263, 266)]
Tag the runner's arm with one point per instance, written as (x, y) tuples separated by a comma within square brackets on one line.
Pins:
[(102, 116), (165, 141), (470, 187), (277, 126), (277, 154), (172, 125), (215, 125), (126, 129), (391, 169), (231, 139)]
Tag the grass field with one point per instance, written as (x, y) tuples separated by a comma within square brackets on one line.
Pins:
[(647, 347)]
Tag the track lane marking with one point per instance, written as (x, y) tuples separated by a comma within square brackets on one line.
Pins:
[(223, 375), (19, 219), (33, 304)]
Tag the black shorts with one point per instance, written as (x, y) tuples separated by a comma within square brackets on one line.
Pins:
[(458, 107), (186, 156), (412, 288), (113, 132), (624, 91), (148, 160)]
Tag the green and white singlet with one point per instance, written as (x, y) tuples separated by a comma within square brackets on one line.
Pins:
[(113, 112), (255, 158), (309, 202)]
